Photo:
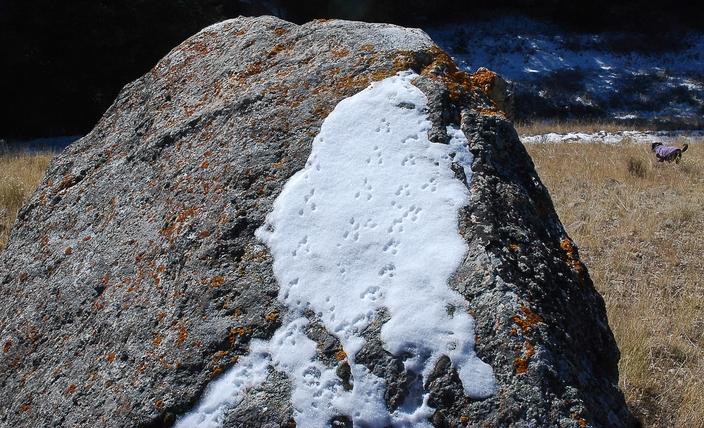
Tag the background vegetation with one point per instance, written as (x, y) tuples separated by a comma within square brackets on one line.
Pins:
[(19, 175), (63, 63), (639, 227)]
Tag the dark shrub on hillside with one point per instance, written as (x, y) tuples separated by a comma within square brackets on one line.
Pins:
[(567, 80)]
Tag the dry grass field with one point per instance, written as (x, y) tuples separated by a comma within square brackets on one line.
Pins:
[(19, 176), (639, 227)]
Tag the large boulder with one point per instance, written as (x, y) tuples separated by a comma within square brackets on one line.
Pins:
[(133, 278)]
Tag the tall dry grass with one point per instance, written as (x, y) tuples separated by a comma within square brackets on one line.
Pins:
[(19, 175), (639, 227)]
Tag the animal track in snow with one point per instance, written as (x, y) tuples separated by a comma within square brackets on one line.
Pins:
[(387, 270), (372, 293), (392, 246), (384, 127), (409, 160)]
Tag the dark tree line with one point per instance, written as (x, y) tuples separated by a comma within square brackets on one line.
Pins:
[(63, 62), (580, 15)]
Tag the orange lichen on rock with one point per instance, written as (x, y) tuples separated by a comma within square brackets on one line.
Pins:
[(521, 362), (6, 347), (276, 50), (347, 85), (443, 67), (24, 407), (580, 420), (219, 356), (254, 68), (340, 355), (157, 279), (339, 53), (272, 316), (173, 225), (217, 281), (458, 82), (185, 214), (182, 334), (572, 258), (483, 79), (157, 340), (71, 389), (236, 333), (240, 78), (527, 320), (110, 357), (68, 181), (490, 111), (280, 164), (521, 365), (496, 91)]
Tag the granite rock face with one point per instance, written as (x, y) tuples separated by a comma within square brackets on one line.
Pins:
[(133, 277)]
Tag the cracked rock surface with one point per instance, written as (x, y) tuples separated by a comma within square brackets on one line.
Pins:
[(133, 278)]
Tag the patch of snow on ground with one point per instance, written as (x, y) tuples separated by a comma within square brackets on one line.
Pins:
[(371, 222), (645, 137)]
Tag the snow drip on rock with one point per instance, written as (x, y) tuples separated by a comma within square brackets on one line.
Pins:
[(369, 223)]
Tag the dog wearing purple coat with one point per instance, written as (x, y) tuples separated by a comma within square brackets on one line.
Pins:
[(665, 153)]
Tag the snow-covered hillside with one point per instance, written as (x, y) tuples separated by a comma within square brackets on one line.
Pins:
[(560, 74)]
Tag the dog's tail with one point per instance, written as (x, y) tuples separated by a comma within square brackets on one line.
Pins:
[(685, 147)]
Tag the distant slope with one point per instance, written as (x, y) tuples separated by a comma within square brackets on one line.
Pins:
[(555, 74), (63, 63)]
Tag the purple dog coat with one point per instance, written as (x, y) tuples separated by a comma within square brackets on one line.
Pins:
[(663, 152)]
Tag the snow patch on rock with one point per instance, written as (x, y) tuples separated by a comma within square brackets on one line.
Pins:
[(370, 223)]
